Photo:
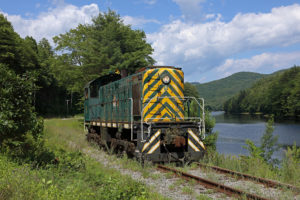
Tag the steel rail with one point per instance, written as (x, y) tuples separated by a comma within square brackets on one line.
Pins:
[(267, 182), (211, 184)]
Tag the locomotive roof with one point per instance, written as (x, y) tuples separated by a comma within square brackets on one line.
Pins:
[(103, 80), (155, 67)]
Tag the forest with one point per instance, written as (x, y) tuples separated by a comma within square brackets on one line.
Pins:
[(37, 80), (277, 94), (80, 55), (217, 92)]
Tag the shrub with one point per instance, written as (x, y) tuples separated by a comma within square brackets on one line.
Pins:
[(290, 170), (20, 129)]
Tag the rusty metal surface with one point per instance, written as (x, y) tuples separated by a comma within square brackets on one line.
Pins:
[(268, 182), (179, 141), (136, 96), (211, 184)]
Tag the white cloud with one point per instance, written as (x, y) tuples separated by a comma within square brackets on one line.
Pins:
[(138, 21), (263, 63), (150, 2), (55, 21), (199, 47), (191, 9), (216, 17)]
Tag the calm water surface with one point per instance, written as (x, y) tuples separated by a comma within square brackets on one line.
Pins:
[(235, 129)]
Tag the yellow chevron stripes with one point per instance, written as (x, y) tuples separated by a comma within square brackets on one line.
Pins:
[(192, 145), (196, 138), (151, 140), (147, 95), (154, 147), (166, 111), (166, 108), (150, 82)]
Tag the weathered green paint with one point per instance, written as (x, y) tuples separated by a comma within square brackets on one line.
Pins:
[(113, 103)]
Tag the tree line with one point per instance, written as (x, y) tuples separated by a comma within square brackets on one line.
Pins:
[(217, 92), (39, 80), (79, 56), (278, 94)]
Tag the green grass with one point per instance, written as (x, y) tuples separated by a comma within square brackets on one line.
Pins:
[(74, 176), (288, 173), (65, 133), (187, 190), (203, 197)]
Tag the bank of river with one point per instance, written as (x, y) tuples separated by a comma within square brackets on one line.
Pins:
[(235, 129)]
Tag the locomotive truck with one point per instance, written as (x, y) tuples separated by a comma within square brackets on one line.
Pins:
[(145, 115)]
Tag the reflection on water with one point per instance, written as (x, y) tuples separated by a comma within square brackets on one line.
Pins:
[(235, 129)]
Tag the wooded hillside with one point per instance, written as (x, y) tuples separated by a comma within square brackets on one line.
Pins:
[(217, 92), (278, 94)]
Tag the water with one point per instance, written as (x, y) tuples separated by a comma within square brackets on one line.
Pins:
[(235, 129)]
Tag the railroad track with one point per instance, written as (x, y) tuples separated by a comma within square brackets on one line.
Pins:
[(211, 184), (267, 182)]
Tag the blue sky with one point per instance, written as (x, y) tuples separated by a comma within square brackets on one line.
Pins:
[(208, 39)]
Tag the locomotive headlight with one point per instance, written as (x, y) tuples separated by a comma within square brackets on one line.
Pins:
[(166, 79)]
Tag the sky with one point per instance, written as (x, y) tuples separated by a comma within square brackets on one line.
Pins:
[(208, 39)]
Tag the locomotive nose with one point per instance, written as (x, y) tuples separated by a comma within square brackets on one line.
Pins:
[(173, 144)]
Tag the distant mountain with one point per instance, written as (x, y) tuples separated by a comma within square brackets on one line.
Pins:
[(215, 93), (277, 94)]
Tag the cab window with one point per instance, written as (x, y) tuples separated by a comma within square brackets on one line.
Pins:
[(94, 91), (86, 93)]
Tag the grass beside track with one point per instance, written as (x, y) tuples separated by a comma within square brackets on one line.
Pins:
[(76, 176)]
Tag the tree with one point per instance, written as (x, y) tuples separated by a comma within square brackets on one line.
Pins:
[(20, 129), (9, 43), (47, 84), (268, 146), (190, 90), (89, 51), (269, 142)]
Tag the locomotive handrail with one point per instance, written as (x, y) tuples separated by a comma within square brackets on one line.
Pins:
[(131, 118), (201, 120)]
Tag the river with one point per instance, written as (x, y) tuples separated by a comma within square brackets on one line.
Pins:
[(235, 129)]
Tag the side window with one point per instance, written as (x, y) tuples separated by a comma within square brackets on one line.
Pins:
[(94, 90), (86, 93)]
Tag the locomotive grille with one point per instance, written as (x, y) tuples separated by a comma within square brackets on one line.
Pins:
[(163, 102)]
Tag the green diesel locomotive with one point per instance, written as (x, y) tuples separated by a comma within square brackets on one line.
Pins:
[(145, 115)]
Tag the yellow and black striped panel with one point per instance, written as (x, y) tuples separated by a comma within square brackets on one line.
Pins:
[(194, 142), (163, 109), (152, 144)]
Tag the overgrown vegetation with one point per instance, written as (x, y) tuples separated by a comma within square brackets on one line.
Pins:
[(76, 177), (260, 162), (71, 176), (268, 146), (20, 129), (277, 94), (32, 77), (217, 92)]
